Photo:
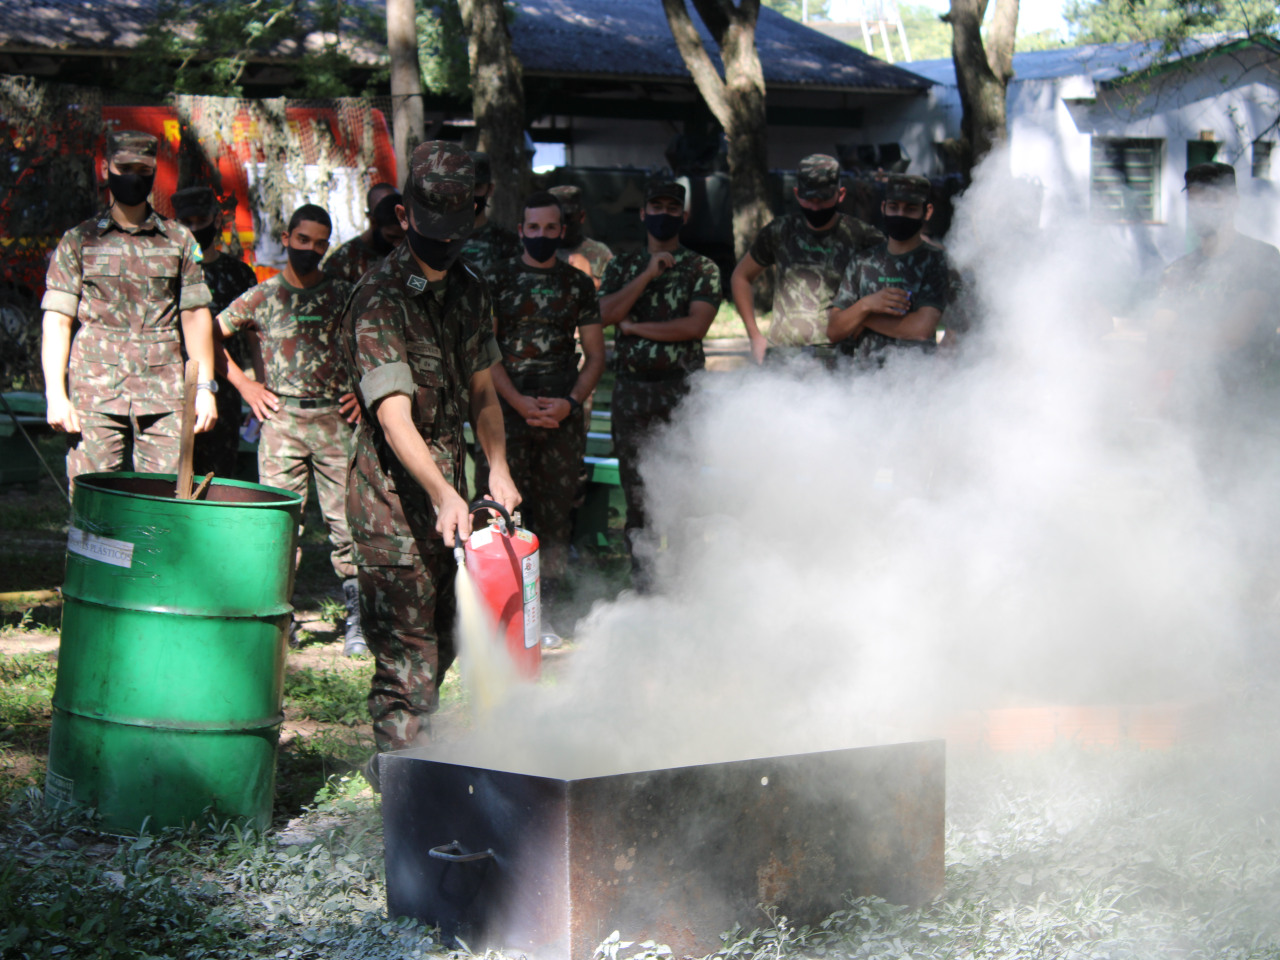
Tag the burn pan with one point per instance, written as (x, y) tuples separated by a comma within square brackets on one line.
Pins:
[(549, 867)]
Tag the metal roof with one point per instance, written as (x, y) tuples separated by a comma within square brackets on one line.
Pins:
[(618, 38), (631, 38), (1100, 62)]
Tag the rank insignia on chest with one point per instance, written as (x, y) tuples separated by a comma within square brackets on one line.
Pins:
[(417, 283)]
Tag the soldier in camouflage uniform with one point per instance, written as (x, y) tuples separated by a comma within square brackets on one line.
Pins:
[(489, 243), (302, 393), (812, 250), (539, 302), (576, 248), (197, 209), (663, 301), (131, 278), (352, 260), (892, 297), (418, 335)]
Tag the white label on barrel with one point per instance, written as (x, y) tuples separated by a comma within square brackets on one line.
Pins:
[(115, 552), (58, 788), (532, 608)]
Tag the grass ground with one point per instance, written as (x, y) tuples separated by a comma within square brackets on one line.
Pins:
[(1071, 853)]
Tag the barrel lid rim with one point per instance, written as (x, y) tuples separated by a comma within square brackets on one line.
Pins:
[(286, 498)]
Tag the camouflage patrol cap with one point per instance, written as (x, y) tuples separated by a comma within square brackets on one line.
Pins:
[(570, 197), (194, 202), (132, 146), (1213, 174), (818, 177), (664, 188), (441, 190), (905, 188), (483, 168)]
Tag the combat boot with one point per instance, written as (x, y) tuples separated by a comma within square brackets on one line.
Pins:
[(353, 645)]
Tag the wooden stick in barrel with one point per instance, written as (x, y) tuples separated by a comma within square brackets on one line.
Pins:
[(185, 468)]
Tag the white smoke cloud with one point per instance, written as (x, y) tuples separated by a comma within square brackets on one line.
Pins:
[(853, 558)]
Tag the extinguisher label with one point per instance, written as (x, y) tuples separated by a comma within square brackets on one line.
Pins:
[(529, 568)]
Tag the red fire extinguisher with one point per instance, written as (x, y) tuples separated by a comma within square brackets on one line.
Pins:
[(502, 560)]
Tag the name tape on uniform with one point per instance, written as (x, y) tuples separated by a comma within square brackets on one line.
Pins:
[(115, 552)]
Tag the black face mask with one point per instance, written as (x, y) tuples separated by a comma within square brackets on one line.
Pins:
[(436, 254), (206, 235), (663, 226), (541, 249), (481, 203), (902, 228), (304, 262), (572, 235), (380, 243), (130, 189), (818, 218)]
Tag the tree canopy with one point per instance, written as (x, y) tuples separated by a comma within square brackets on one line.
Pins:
[(1118, 21)]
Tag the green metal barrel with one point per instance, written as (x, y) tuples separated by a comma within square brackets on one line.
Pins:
[(171, 666)]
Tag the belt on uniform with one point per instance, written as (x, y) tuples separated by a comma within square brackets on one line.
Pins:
[(658, 376), (309, 403)]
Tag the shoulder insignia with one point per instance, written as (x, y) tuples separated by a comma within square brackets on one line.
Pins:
[(102, 224), (416, 283)]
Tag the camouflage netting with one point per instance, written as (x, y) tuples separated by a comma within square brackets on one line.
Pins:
[(278, 153)]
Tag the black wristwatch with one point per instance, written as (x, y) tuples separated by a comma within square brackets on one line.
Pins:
[(575, 405)]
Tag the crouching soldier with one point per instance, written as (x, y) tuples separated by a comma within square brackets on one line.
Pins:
[(302, 393)]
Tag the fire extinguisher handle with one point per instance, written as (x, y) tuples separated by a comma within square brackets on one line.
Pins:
[(477, 505)]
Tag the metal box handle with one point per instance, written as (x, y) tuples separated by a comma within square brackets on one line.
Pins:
[(453, 853)]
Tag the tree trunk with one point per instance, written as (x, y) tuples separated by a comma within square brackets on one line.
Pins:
[(983, 72), (406, 83), (497, 97), (737, 100)]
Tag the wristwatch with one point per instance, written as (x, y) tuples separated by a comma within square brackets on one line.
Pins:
[(575, 405), (210, 385)]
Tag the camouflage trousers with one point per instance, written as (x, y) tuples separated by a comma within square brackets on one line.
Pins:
[(545, 466), (219, 448), (638, 409), (106, 440), (407, 613), (298, 444)]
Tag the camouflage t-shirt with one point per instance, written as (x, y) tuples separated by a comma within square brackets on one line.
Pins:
[(297, 329), (667, 297), (489, 245), (403, 335), (127, 288), (351, 261), (1205, 291), (598, 255), (922, 272), (228, 277), (535, 314), (811, 265)]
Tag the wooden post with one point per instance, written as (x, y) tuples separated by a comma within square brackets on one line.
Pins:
[(185, 469)]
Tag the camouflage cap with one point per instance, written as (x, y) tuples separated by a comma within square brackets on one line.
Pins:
[(818, 177), (570, 197), (194, 202), (1213, 174), (664, 188), (905, 188), (441, 190), (132, 146), (483, 168)]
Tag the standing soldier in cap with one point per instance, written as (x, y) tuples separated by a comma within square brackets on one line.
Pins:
[(588, 255), (663, 301), (489, 243), (196, 208), (132, 279), (812, 250), (352, 260), (418, 332), (892, 296), (539, 303), (302, 393)]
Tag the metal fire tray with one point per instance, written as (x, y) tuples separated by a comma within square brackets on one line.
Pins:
[(550, 867)]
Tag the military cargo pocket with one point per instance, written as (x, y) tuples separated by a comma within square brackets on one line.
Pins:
[(426, 364), (158, 277)]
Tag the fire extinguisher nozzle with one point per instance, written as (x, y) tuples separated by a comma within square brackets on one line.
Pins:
[(460, 555)]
